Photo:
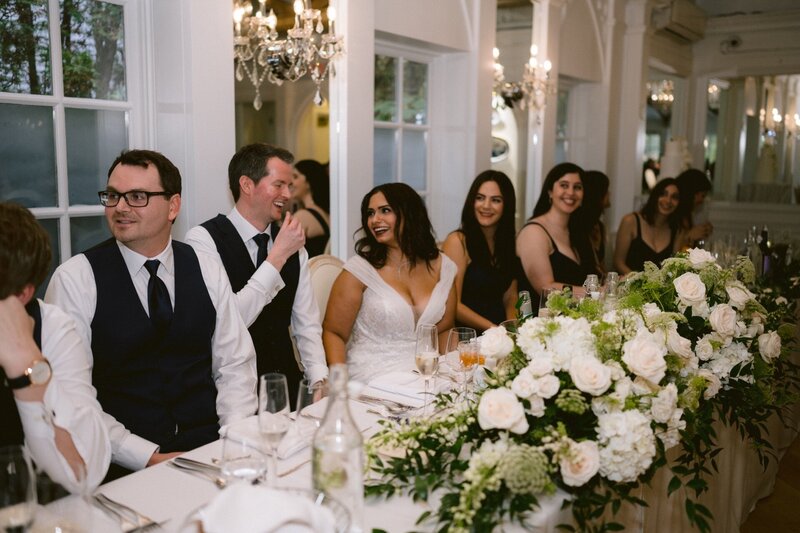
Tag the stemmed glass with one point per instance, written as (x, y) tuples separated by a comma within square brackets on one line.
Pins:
[(307, 395), (459, 355), (426, 355), (273, 416), (17, 489)]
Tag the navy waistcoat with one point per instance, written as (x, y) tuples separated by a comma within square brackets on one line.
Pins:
[(160, 387)]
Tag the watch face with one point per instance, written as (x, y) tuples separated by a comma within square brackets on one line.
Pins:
[(40, 372)]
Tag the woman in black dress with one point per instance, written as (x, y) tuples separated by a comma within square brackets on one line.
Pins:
[(596, 199), (694, 186), (652, 234), (553, 245), (311, 190), (483, 250)]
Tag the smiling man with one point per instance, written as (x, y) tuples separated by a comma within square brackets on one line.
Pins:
[(171, 358), (267, 264)]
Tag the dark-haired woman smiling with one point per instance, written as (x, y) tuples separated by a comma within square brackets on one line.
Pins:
[(484, 252), (397, 280)]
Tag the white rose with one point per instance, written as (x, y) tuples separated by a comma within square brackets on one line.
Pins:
[(704, 349), (540, 366), (738, 295), (645, 357), (650, 310), (537, 406), (495, 343), (699, 257), (690, 288), (499, 408), (548, 386), (581, 463), (769, 344), (679, 345), (663, 405), (590, 375), (713, 383), (525, 385), (723, 320)]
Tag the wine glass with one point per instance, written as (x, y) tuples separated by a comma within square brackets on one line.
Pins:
[(273, 416), (17, 489), (458, 359), (426, 355), (307, 395), (242, 460)]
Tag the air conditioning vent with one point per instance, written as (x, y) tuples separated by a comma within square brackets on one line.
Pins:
[(680, 19)]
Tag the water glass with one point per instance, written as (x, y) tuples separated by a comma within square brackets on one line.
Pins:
[(273, 416), (17, 489), (426, 355), (544, 311), (242, 460)]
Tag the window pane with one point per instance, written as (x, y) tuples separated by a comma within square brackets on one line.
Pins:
[(24, 47), (385, 156), (385, 88), (94, 139), (27, 155), (85, 232), (414, 158), (51, 227), (93, 49), (415, 93)]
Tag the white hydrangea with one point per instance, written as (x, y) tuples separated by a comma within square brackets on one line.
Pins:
[(627, 445)]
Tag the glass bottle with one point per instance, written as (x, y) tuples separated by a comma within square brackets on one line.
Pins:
[(525, 306), (766, 252), (592, 286), (338, 457), (610, 293)]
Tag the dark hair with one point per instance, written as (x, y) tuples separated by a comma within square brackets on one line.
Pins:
[(317, 178), (651, 207), (24, 250), (505, 254), (251, 161), (168, 173), (413, 229), (578, 232), (595, 188), (689, 183)]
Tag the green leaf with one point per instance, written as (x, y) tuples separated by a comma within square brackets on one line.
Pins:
[(674, 484)]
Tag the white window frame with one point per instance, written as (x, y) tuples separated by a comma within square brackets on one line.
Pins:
[(135, 22)]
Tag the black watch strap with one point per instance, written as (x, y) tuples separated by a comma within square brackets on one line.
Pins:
[(18, 383)]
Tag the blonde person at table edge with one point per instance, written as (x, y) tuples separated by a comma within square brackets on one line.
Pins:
[(46, 394), (554, 245), (172, 360), (483, 249), (397, 280)]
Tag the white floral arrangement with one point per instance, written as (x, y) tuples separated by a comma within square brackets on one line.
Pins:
[(592, 398)]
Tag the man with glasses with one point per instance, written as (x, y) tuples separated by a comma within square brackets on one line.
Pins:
[(267, 268), (172, 360)]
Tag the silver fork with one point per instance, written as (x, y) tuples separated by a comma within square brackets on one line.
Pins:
[(126, 514)]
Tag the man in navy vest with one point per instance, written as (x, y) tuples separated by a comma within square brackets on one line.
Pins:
[(172, 360), (46, 394), (267, 265)]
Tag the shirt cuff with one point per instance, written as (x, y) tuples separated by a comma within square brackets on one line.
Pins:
[(269, 280), (36, 418), (317, 373), (134, 452)]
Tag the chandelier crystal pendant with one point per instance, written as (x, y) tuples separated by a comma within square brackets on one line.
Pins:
[(531, 92), (306, 49)]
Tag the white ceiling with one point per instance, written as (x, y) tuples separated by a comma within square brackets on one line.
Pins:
[(721, 8)]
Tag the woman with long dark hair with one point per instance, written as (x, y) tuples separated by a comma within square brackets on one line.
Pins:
[(596, 199), (694, 186), (653, 234), (397, 280), (311, 191), (483, 250), (553, 245)]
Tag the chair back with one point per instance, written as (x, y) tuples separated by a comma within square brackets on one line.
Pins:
[(324, 270)]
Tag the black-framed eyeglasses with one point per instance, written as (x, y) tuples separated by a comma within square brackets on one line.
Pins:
[(132, 198)]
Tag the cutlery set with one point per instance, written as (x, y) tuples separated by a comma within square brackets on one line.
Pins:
[(130, 520)]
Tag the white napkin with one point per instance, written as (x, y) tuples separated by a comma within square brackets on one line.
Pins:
[(297, 437), (404, 387), (246, 508)]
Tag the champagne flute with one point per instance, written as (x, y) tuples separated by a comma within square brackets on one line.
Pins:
[(462, 361), (273, 416), (17, 489), (307, 395), (426, 355)]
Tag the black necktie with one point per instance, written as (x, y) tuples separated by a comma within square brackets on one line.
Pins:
[(262, 239), (158, 297)]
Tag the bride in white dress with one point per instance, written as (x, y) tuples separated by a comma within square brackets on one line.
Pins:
[(398, 279)]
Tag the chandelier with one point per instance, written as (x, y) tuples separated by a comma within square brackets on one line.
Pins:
[(531, 92), (306, 49), (661, 95)]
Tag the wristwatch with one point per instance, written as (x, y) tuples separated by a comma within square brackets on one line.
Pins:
[(38, 373)]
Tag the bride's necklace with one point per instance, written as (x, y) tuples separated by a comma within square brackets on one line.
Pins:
[(400, 267)]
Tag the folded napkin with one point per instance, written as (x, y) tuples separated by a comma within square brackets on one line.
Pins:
[(404, 387), (246, 508), (297, 437)]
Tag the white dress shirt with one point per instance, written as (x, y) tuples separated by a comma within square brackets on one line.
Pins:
[(262, 287), (70, 402), (233, 363)]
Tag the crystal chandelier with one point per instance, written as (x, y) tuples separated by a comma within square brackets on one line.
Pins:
[(531, 92), (306, 49), (661, 95)]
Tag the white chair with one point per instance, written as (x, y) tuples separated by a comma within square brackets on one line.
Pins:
[(324, 270)]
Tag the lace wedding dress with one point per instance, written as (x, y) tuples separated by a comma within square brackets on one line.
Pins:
[(384, 333)]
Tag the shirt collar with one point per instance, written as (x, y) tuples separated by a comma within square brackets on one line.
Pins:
[(244, 228), (135, 261)]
